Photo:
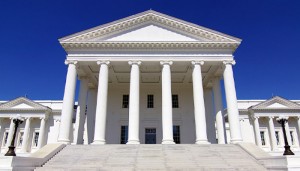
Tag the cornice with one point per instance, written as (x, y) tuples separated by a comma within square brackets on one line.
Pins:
[(26, 110), (149, 17), (117, 46)]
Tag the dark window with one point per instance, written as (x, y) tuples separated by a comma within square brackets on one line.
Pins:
[(5, 138), (124, 134), (176, 134), (175, 101), (20, 139), (150, 101), (262, 136), (125, 102), (277, 137), (292, 137), (36, 138)]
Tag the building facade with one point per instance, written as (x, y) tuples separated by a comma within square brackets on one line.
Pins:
[(145, 79), (149, 54)]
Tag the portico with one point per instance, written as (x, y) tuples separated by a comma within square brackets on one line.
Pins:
[(264, 115), (151, 55), (32, 134)]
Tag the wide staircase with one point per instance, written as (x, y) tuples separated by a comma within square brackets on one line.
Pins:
[(152, 157)]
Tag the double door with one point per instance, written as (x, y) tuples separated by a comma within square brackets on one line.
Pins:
[(150, 136)]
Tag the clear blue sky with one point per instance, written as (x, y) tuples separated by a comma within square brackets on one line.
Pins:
[(32, 60)]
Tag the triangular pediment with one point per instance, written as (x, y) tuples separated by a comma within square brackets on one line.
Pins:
[(276, 103), (149, 26), (22, 103), (152, 33), (22, 106)]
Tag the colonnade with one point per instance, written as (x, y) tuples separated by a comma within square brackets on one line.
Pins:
[(167, 123), (27, 131), (271, 128)]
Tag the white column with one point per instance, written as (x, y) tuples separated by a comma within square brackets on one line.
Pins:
[(257, 131), (80, 115), (11, 132), (199, 106), (42, 133), (101, 109), (232, 108), (298, 129), (1, 131), (1, 127), (68, 104), (26, 135), (134, 103), (272, 133), (288, 134), (219, 111), (167, 121), (90, 116)]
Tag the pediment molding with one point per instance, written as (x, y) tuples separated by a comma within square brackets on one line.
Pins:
[(149, 45), (276, 103), (23, 104), (146, 18)]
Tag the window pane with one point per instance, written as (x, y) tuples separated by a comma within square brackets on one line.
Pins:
[(175, 101), (124, 134), (36, 138), (262, 136), (176, 134), (292, 138), (125, 101), (20, 139), (5, 138), (277, 137), (150, 101)]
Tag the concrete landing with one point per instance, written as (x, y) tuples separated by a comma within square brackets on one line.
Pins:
[(153, 157)]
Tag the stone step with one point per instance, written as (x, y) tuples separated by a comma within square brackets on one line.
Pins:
[(152, 157)]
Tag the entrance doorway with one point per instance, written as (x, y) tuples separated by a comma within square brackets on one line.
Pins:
[(150, 136)]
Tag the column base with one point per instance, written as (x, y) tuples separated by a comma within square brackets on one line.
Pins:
[(64, 141), (167, 142), (133, 142), (98, 142), (202, 142), (234, 141)]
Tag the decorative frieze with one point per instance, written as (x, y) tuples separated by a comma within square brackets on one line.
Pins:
[(148, 45)]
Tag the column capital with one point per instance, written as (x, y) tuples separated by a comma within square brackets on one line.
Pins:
[(271, 117), (44, 118), (67, 62), (232, 62), (103, 62), (197, 62), (134, 62), (166, 62), (28, 118), (254, 117)]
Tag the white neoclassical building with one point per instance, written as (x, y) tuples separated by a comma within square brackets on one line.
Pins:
[(149, 79), (149, 74)]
